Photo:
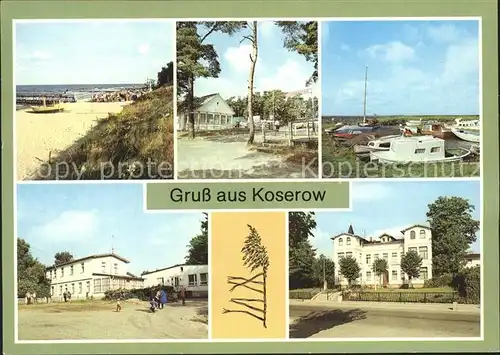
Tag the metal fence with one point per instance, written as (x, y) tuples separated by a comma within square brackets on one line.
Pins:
[(303, 294), (395, 296)]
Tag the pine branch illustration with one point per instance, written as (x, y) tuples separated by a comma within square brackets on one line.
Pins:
[(255, 256)]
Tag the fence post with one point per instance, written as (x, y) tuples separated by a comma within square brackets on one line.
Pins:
[(263, 133), (359, 296), (401, 297), (425, 297), (378, 296)]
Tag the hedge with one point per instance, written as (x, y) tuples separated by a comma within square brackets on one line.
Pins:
[(143, 294), (467, 283)]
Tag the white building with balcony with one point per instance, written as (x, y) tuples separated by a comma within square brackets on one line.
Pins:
[(391, 248), (194, 278), (91, 276)]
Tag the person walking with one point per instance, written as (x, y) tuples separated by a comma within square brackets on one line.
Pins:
[(65, 296), (183, 295), (28, 297), (163, 298)]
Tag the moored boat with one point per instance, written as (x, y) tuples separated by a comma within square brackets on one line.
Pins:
[(420, 149), (379, 144), (436, 130), (471, 125), (467, 134)]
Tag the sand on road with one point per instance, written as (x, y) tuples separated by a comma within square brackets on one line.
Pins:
[(135, 321), (354, 322), (39, 134), (203, 158)]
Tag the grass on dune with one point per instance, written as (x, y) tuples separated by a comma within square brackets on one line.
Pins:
[(136, 143)]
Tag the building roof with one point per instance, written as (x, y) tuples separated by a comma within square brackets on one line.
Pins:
[(167, 268), (387, 235), (348, 235), (94, 256), (128, 276), (415, 225), (473, 256), (197, 102)]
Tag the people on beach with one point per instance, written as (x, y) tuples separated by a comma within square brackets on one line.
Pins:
[(119, 96)]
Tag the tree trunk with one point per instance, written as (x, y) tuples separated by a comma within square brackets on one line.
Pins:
[(190, 104), (264, 297), (253, 62)]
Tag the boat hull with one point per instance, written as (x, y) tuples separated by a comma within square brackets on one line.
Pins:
[(388, 158), (46, 109), (466, 136), (439, 134)]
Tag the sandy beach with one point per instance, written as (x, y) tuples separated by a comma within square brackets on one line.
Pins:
[(38, 135)]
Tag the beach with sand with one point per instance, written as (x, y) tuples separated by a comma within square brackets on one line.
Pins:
[(39, 135)]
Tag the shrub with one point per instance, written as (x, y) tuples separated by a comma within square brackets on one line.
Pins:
[(143, 294), (468, 284), (445, 280)]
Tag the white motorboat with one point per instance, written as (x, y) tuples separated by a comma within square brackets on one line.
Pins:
[(379, 144), (469, 135), (419, 149)]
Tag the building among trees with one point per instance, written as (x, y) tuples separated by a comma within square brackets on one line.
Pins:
[(194, 278), (417, 238), (210, 112), (91, 276)]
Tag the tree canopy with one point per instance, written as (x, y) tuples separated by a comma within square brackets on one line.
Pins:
[(302, 37), (198, 245), (411, 263), (349, 268), (30, 272), (380, 266), (166, 75), (453, 230), (63, 257)]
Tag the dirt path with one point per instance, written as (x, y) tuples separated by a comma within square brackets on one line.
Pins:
[(133, 322), (230, 158)]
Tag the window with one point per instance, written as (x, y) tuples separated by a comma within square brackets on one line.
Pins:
[(192, 280), (385, 256), (97, 286), (176, 281), (105, 285), (60, 290), (80, 289), (348, 241), (368, 258), (368, 276), (340, 255), (88, 286), (83, 267), (412, 235), (62, 272), (394, 275), (115, 268), (52, 290), (341, 242), (159, 281), (422, 251), (71, 269), (103, 266), (419, 150), (182, 269), (394, 255), (435, 149), (412, 249), (423, 273), (348, 254), (55, 273), (72, 289), (422, 234), (375, 257), (204, 279)]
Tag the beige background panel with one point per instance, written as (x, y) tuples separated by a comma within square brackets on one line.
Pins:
[(228, 233)]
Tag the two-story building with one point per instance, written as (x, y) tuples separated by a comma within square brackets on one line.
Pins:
[(91, 276), (391, 248), (194, 278)]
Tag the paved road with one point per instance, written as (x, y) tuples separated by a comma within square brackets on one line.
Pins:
[(356, 322)]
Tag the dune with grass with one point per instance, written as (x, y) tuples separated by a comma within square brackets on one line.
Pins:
[(121, 142)]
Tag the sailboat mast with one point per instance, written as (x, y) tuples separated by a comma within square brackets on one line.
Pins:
[(364, 100)]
